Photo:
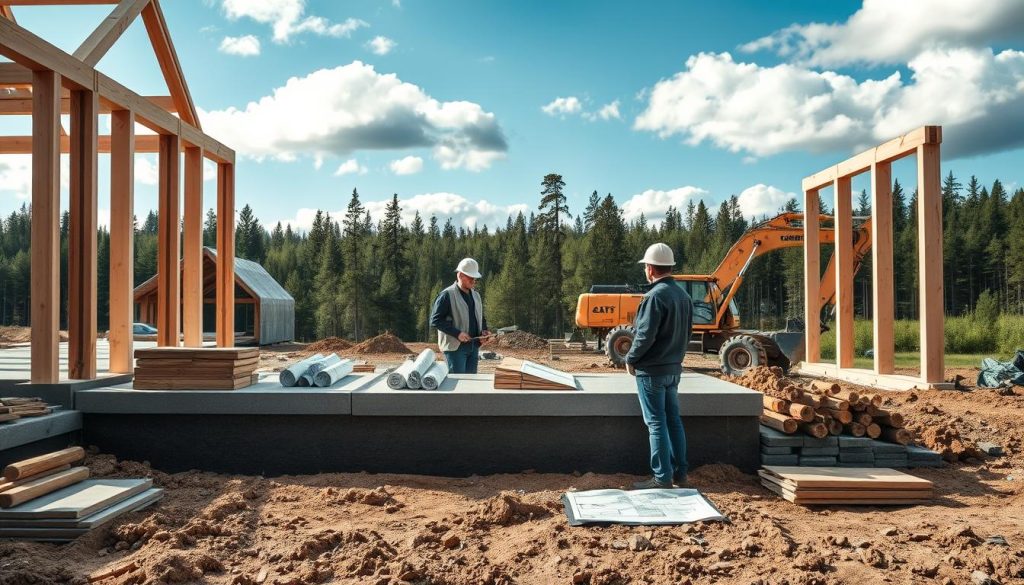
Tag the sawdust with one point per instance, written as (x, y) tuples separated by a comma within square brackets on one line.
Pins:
[(329, 345), (520, 340), (383, 343)]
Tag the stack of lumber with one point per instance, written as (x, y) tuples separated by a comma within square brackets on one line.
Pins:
[(195, 368), (45, 498), (13, 408), (831, 485), (363, 367), (560, 347), (827, 409), (516, 374)]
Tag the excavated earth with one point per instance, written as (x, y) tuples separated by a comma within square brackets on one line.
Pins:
[(503, 529)]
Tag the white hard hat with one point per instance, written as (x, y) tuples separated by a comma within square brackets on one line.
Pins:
[(659, 255), (469, 267)]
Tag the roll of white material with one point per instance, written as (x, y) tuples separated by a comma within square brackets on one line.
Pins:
[(323, 364), (435, 375), (399, 379), (420, 366), (305, 380), (290, 375), (331, 374)]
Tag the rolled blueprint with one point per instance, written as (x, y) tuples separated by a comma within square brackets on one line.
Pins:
[(420, 366), (290, 375), (399, 378), (435, 375), (331, 374)]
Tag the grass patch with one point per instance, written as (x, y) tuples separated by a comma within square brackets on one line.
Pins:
[(966, 336)]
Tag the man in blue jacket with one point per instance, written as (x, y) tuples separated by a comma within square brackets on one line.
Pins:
[(663, 324), (458, 316)]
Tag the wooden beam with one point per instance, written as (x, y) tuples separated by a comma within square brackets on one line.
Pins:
[(82, 259), (21, 105), (883, 310), (45, 275), (812, 272), (122, 235), (168, 268), (57, 2), (192, 275), (167, 57), (29, 50), (15, 75), (147, 143), (6, 12), (929, 261), (843, 218), (886, 152), (106, 34), (225, 255)]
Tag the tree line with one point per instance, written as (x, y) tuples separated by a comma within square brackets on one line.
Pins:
[(355, 276)]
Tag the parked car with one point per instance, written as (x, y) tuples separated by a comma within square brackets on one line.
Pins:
[(143, 329)]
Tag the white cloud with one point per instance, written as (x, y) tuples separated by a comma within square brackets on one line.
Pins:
[(409, 165), (352, 107), (246, 46), (147, 172), (887, 32), (16, 175), (462, 211), (350, 167), (762, 200), (562, 106), (744, 107), (287, 17), (607, 112), (654, 203), (381, 45)]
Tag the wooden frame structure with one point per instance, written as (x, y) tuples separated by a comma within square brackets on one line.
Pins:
[(924, 142), (43, 81)]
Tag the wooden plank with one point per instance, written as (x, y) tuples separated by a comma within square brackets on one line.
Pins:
[(192, 249), (225, 255), (212, 353), (122, 239), (167, 57), (80, 500), (42, 486), (21, 105), (94, 520), (886, 152), (82, 264), (56, 2), (197, 385), (843, 218), (883, 299), (42, 463), (106, 34), (31, 51), (812, 272), (929, 261), (23, 144), (45, 275), (844, 477), (8, 484), (168, 243)]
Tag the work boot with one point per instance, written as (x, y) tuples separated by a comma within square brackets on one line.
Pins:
[(651, 484), (679, 480)]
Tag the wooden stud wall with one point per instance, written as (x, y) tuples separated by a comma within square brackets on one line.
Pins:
[(883, 299), (122, 238), (844, 271), (812, 274), (168, 243), (82, 250), (225, 255), (192, 251), (929, 262)]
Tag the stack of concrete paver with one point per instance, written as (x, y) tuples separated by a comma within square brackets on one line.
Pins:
[(841, 451)]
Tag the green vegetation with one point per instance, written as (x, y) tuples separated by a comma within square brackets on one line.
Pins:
[(969, 336)]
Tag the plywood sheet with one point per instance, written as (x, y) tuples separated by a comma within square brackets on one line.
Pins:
[(791, 486), (80, 500), (101, 517), (206, 353), (797, 499), (847, 477)]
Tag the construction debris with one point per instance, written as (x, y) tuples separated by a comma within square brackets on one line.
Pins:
[(186, 368), (15, 408), (383, 343), (828, 485)]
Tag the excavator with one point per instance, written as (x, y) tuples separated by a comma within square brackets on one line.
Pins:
[(608, 311)]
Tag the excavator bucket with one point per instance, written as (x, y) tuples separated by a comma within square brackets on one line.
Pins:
[(790, 341)]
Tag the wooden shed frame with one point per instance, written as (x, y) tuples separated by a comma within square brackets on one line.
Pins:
[(45, 82), (924, 142)]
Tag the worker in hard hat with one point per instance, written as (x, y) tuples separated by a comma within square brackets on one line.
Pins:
[(458, 316), (663, 324)]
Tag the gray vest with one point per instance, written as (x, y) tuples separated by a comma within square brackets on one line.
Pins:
[(460, 317)]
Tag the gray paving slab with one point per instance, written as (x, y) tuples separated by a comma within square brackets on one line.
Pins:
[(854, 442), (774, 438), (819, 451), (845, 457), (830, 441), (780, 459), (817, 461), (265, 397), (769, 450), (598, 395), (883, 447), (30, 430)]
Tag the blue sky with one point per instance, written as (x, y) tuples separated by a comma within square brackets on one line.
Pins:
[(462, 107)]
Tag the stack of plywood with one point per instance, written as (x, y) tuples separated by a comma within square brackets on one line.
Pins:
[(45, 498), (12, 409), (195, 368), (831, 485), (516, 374)]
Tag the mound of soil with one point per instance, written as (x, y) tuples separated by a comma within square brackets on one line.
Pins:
[(329, 345), (769, 380), (383, 343), (520, 340)]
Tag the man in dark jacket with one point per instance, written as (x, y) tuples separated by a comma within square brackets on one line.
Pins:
[(663, 324)]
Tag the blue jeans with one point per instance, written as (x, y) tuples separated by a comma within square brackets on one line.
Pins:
[(659, 401), (464, 359)]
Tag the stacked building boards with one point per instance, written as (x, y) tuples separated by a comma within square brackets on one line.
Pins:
[(516, 374), (841, 451), (833, 485), (194, 368)]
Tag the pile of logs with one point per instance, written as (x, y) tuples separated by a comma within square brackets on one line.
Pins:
[(12, 409), (827, 409)]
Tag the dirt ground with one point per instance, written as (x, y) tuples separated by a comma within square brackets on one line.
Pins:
[(389, 529)]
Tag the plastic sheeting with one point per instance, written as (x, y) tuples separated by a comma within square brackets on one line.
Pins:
[(435, 375), (420, 366), (290, 375), (331, 374), (996, 374), (399, 378)]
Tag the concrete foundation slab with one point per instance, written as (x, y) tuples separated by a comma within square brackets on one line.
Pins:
[(29, 430)]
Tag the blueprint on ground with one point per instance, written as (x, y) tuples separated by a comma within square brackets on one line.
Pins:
[(660, 506)]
